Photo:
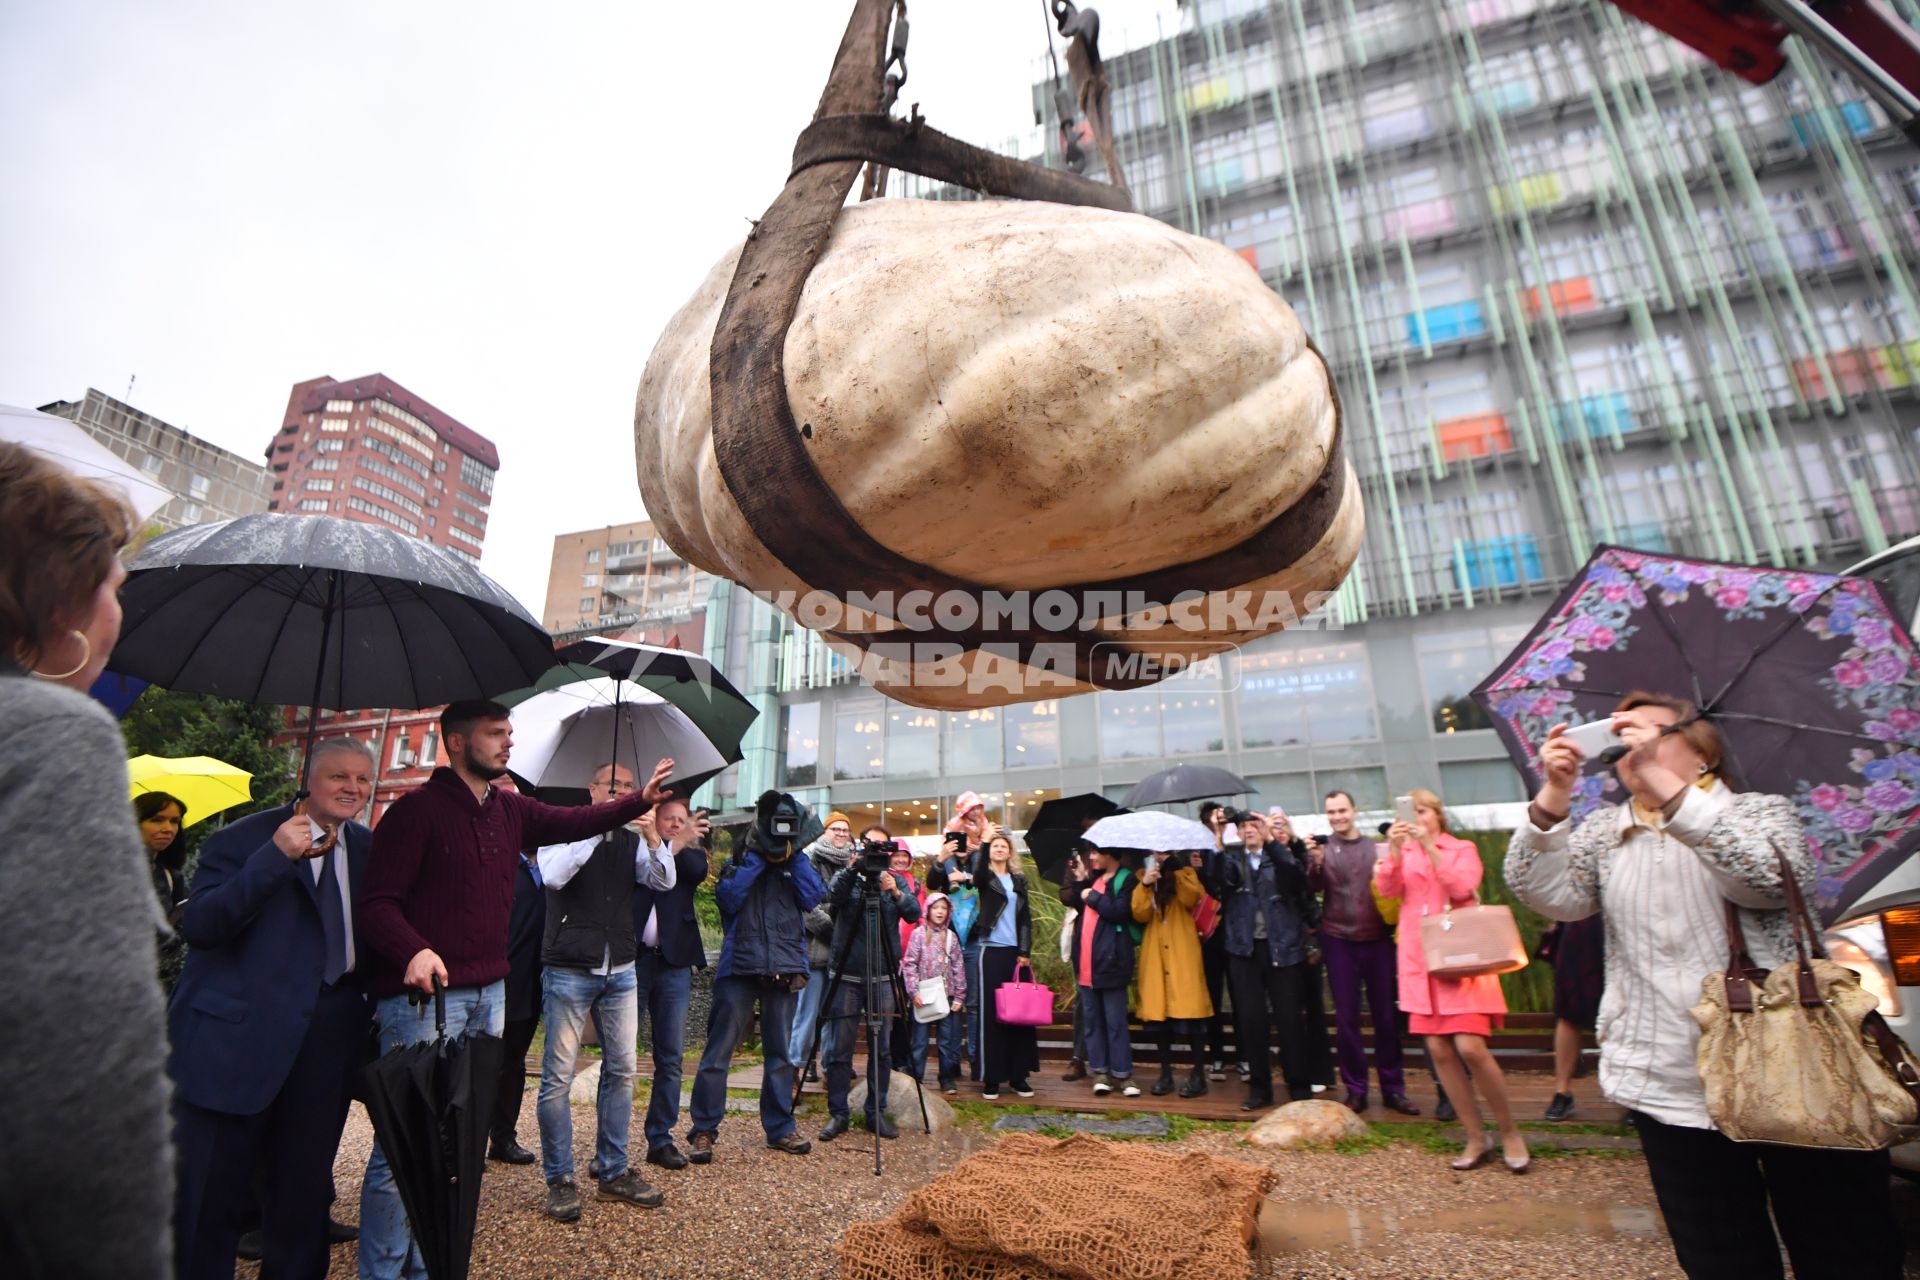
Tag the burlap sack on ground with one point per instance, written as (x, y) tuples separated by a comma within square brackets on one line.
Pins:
[(1076, 1209)]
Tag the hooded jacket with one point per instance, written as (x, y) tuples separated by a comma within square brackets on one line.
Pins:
[(1111, 913), (935, 951)]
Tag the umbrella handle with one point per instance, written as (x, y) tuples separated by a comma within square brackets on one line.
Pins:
[(418, 997)]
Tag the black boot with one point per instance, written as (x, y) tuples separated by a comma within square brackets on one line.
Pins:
[(1164, 1085), (1196, 1083)]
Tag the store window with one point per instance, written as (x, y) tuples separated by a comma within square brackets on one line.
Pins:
[(800, 758), (1032, 734), (1452, 663), (1129, 724), (1190, 720), (974, 742), (1290, 697), (913, 742), (857, 739)]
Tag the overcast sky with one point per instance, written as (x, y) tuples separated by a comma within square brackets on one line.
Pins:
[(497, 205)]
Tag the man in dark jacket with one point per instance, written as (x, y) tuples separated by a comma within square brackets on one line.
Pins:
[(269, 1021), (1264, 911), (526, 929), (854, 996), (587, 957), (763, 893), (669, 949)]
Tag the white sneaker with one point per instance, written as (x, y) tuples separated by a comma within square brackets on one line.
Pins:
[(990, 1094), (1101, 1086), (1129, 1090), (1319, 1088)]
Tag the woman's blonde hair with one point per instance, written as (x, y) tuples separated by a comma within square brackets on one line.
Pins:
[(1423, 798)]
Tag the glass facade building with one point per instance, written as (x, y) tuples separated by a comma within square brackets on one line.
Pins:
[(1577, 286)]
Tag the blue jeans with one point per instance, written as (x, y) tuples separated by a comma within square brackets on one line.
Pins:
[(806, 1016), (571, 994), (661, 992), (1104, 1010), (948, 1030), (839, 1037), (733, 1002), (387, 1251)]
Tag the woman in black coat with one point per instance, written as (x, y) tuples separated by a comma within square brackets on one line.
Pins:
[(1002, 938), (1102, 958)]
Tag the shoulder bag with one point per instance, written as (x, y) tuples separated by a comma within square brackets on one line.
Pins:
[(1801, 1056)]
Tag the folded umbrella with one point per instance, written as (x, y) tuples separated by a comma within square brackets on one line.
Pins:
[(431, 1105), (1148, 833), (1057, 827), (205, 785), (314, 610), (1812, 682), (1185, 782)]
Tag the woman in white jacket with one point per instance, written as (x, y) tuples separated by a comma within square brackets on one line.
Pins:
[(1662, 866)]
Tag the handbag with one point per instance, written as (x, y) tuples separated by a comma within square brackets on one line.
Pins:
[(1801, 1056), (934, 992), (1023, 1004), (1206, 916), (1470, 942)]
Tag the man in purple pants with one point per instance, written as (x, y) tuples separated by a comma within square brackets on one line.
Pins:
[(1359, 952)]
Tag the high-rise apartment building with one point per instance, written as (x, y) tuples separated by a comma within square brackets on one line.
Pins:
[(624, 580), (367, 449), (207, 482), (1576, 285)]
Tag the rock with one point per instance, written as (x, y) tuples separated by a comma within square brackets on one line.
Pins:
[(1315, 1120), (586, 1084), (902, 1107)]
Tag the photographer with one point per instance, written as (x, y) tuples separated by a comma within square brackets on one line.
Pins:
[(857, 885), (763, 893), (1265, 908), (827, 854)]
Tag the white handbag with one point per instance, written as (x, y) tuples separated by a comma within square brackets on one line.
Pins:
[(934, 992)]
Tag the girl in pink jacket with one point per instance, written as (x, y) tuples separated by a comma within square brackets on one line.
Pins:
[(1428, 868), (935, 951)]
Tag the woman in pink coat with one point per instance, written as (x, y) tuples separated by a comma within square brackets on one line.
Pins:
[(1427, 868)]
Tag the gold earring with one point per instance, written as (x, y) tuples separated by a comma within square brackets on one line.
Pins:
[(86, 656)]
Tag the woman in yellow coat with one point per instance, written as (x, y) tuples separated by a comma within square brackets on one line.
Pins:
[(1173, 976)]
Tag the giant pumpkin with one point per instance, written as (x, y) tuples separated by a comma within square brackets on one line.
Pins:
[(1020, 395)]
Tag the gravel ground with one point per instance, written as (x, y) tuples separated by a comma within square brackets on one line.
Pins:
[(1396, 1214)]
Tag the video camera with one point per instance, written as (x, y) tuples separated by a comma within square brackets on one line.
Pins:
[(875, 857), (780, 825)]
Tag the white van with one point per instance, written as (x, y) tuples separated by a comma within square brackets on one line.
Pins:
[(1879, 937)]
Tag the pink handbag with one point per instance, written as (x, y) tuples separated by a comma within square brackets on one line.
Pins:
[(1471, 941), (1023, 1004)]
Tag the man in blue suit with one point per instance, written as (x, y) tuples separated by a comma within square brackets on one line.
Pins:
[(268, 1023)]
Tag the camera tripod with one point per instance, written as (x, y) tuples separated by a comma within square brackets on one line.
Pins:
[(882, 948)]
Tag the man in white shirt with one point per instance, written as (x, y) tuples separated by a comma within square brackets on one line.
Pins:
[(588, 953)]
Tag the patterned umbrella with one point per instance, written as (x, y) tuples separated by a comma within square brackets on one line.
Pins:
[(1811, 680), (1148, 832)]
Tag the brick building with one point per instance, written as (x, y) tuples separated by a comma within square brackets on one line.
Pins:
[(368, 449)]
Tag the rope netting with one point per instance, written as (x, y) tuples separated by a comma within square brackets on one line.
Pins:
[(1034, 1208)]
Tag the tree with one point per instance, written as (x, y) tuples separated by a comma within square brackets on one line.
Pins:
[(165, 723)]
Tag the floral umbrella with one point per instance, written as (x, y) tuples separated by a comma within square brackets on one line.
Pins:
[(1812, 682)]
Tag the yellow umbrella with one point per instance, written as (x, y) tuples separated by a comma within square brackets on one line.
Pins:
[(203, 784)]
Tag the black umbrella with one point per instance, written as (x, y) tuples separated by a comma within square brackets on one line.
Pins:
[(1056, 828), (431, 1105), (1185, 782), (292, 610)]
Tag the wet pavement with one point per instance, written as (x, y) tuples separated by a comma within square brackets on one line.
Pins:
[(1301, 1227)]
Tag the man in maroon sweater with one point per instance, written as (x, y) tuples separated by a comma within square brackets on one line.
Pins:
[(436, 902)]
